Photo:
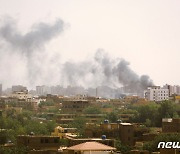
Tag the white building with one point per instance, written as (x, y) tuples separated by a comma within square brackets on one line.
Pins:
[(156, 93)]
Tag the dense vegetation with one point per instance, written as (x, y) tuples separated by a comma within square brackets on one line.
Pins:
[(19, 124), (150, 114)]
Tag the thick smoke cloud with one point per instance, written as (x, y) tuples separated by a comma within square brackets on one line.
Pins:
[(104, 71), (29, 63), (40, 34), (29, 46)]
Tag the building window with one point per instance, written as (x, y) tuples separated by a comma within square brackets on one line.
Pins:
[(56, 140), (46, 141), (42, 141)]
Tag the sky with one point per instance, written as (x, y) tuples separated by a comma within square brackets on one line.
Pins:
[(144, 33)]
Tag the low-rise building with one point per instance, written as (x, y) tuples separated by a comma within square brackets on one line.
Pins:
[(123, 131), (171, 125), (64, 132), (22, 95), (139, 152), (74, 106), (39, 142), (65, 118), (93, 118), (177, 99), (169, 151), (68, 118)]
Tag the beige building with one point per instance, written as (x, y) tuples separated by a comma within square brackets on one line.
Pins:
[(123, 131), (169, 151), (74, 106), (22, 95), (39, 142), (64, 132), (65, 118), (171, 125)]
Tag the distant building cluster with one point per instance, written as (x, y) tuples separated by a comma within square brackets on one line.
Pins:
[(157, 93), (102, 91), (173, 90), (101, 127), (152, 93)]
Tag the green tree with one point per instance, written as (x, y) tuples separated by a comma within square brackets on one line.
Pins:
[(13, 150), (146, 114), (166, 110), (37, 128), (79, 123), (112, 116), (121, 147), (3, 136), (148, 122), (50, 125), (175, 115)]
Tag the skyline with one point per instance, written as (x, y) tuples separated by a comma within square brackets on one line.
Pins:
[(145, 34)]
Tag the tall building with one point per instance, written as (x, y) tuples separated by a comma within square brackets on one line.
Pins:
[(173, 90), (0, 89), (43, 90), (39, 90), (18, 88), (156, 93), (171, 125)]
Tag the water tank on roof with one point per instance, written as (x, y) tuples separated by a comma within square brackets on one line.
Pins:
[(9, 141), (31, 133), (106, 121), (103, 137), (119, 121)]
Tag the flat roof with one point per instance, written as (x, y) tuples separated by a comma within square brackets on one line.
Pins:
[(129, 124)]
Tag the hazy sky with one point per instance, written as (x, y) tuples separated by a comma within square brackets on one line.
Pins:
[(144, 32)]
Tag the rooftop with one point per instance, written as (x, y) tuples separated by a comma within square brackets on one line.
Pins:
[(91, 146), (129, 124)]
